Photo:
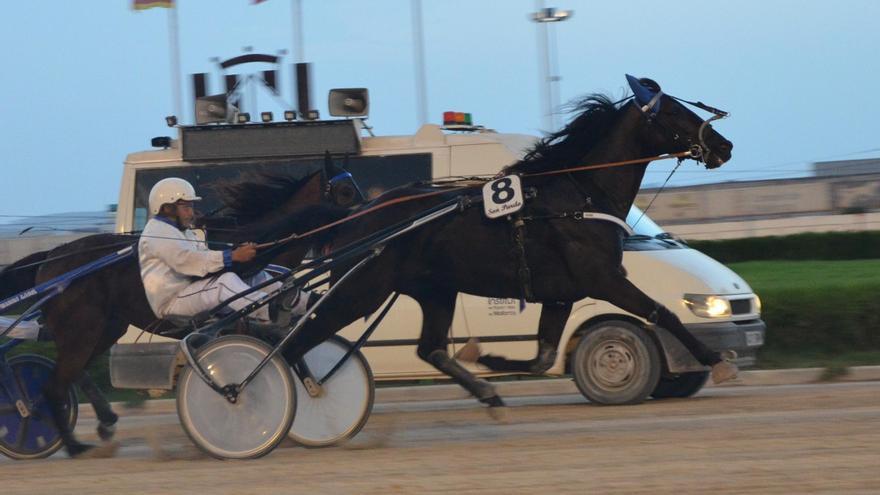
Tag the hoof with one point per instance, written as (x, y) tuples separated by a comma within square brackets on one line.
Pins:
[(723, 371), (544, 361), (470, 352), (77, 449), (103, 451), (106, 431), (493, 401), (499, 414)]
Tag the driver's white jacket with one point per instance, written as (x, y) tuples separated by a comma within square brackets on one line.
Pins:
[(172, 259)]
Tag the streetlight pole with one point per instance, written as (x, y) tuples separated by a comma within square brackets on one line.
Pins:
[(549, 78), (419, 55)]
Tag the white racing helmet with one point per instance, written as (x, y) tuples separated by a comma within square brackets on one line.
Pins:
[(171, 190)]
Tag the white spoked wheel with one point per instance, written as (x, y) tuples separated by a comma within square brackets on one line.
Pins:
[(260, 417), (346, 401)]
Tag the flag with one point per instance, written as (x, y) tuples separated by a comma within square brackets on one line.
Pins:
[(149, 4)]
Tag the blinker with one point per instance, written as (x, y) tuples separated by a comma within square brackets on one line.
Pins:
[(644, 95)]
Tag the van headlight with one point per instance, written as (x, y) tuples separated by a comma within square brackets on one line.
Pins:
[(707, 306), (757, 304)]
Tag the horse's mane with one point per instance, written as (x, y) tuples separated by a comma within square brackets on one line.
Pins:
[(597, 115), (255, 193)]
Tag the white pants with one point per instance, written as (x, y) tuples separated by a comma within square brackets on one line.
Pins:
[(207, 293)]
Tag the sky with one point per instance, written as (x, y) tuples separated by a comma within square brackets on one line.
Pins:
[(86, 83)]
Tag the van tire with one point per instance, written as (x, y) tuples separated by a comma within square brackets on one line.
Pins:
[(680, 386), (616, 362)]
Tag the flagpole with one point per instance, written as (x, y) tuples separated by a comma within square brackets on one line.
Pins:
[(298, 43), (174, 45)]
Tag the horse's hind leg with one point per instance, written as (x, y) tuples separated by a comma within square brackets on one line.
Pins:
[(68, 368), (77, 340), (106, 417), (554, 315), (438, 308)]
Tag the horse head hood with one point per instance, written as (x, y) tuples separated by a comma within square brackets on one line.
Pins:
[(645, 91)]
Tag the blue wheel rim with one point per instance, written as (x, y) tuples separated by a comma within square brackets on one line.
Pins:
[(35, 434)]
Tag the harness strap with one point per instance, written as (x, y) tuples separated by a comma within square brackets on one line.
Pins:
[(585, 215), (590, 215), (519, 252)]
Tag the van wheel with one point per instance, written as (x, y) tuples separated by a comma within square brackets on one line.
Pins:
[(616, 362), (680, 386)]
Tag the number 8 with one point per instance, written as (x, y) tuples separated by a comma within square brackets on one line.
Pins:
[(502, 192)]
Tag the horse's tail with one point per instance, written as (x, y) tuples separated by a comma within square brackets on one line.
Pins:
[(21, 275)]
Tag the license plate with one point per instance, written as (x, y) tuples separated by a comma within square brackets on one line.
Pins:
[(754, 338)]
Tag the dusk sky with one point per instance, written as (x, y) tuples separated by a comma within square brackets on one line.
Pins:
[(86, 83)]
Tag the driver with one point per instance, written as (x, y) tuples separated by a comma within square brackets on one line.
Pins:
[(174, 261)]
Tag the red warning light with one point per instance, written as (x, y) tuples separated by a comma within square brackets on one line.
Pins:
[(457, 118)]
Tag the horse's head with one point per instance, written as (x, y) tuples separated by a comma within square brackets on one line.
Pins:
[(339, 187), (257, 196), (674, 128)]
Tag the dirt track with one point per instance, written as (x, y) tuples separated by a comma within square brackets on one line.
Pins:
[(796, 439)]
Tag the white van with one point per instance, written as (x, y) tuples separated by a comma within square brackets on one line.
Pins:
[(613, 356)]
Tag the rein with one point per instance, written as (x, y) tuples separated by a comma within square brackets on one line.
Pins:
[(679, 155), (403, 199)]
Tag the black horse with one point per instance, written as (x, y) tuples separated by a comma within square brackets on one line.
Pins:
[(544, 253), (94, 312)]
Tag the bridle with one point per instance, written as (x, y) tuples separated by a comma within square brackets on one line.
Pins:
[(699, 150)]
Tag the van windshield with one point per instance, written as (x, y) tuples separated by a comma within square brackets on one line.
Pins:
[(645, 226), (373, 174)]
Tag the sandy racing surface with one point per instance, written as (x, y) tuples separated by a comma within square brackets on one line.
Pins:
[(783, 439)]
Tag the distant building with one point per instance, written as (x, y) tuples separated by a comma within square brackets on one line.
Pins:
[(870, 166), (26, 235), (850, 186), (90, 222)]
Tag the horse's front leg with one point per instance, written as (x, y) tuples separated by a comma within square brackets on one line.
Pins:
[(554, 315), (619, 291)]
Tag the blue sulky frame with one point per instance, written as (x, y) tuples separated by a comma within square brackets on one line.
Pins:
[(55, 286)]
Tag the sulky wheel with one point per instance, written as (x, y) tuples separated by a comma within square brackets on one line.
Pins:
[(260, 417), (26, 427), (345, 400), (616, 362)]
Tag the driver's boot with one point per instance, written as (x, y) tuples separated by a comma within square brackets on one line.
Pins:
[(285, 310)]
